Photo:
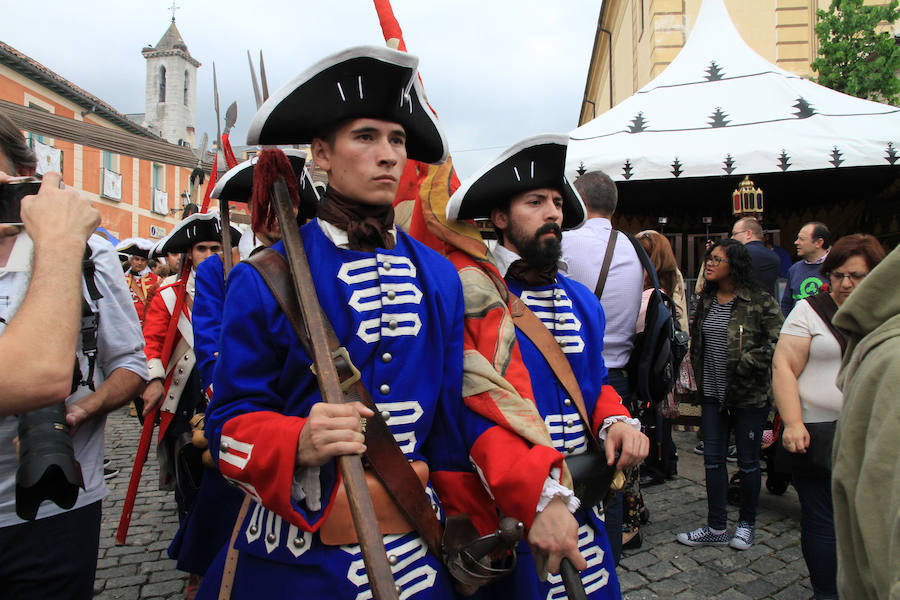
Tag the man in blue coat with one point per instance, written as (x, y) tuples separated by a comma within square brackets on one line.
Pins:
[(396, 307)]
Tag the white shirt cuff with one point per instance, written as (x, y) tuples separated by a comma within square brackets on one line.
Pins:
[(608, 421), (553, 488), (306, 486)]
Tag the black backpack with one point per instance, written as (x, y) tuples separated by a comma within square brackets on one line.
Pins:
[(660, 347)]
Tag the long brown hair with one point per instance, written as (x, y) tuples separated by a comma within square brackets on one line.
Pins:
[(659, 249)]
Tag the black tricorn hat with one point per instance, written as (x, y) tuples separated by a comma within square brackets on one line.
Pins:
[(198, 227), (535, 162), (362, 82), (140, 247), (236, 185)]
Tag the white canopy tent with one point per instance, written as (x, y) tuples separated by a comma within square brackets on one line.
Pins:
[(721, 109)]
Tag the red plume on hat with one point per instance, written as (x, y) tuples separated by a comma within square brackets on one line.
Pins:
[(270, 165)]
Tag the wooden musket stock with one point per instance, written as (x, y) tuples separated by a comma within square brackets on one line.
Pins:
[(381, 580)]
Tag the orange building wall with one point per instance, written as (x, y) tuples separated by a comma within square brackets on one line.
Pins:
[(144, 187), (90, 175), (117, 221), (126, 167)]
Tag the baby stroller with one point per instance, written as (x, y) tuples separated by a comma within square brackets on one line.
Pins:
[(777, 483)]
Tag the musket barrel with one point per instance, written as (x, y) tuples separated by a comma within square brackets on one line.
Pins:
[(371, 542)]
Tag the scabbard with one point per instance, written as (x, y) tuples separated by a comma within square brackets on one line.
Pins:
[(139, 459)]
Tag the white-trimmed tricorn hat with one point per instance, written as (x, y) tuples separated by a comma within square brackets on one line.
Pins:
[(236, 185), (362, 82), (140, 247), (535, 162), (198, 227)]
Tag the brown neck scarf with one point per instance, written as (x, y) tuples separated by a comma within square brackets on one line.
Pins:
[(368, 226), (531, 275)]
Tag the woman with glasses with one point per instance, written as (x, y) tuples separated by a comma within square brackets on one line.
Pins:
[(806, 363), (732, 341)]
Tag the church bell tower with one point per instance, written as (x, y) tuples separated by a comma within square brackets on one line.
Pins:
[(171, 88)]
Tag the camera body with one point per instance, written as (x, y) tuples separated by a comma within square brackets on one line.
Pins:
[(11, 194)]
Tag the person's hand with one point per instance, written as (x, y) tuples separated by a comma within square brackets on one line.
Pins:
[(331, 430), (76, 414), (795, 438), (633, 445), (152, 395), (554, 533), (55, 214)]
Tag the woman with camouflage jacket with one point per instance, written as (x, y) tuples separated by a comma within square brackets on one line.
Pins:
[(732, 341)]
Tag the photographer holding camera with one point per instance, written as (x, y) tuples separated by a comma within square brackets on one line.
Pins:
[(74, 279)]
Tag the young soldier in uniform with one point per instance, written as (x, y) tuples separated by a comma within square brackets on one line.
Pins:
[(519, 447), (139, 278), (395, 305)]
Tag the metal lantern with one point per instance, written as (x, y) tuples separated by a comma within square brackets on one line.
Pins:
[(747, 200)]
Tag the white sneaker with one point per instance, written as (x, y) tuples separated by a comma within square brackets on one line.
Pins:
[(743, 536)]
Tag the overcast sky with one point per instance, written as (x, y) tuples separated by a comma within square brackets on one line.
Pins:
[(495, 71)]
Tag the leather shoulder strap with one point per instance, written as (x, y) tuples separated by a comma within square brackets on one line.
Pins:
[(231, 557), (529, 324), (825, 307), (607, 259), (384, 455)]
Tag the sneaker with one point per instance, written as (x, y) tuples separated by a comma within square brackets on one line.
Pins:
[(698, 449), (703, 536), (109, 473), (107, 462), (732, 454), (743, 536)]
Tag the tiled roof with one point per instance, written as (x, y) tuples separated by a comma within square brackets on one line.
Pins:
[(37, 72)]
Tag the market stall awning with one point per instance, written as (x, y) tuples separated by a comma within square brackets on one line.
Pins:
[(721, 109)]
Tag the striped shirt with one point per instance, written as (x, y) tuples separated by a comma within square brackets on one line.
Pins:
[(715, 348)]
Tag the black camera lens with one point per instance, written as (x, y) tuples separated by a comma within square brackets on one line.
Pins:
[(47, 466)]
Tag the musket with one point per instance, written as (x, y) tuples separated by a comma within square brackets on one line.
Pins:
[(378, 571)]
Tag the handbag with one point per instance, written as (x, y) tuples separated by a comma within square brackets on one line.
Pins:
[(816, 461)]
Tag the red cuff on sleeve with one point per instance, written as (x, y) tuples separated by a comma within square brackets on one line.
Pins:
[(258, 451), (515, 471), (609, 404)]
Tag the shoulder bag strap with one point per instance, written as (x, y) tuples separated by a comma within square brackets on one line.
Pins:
[(384, 455), (825, 307), (607, 259), (529, 324)]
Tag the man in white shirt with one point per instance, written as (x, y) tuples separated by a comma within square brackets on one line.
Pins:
[(584, 250)]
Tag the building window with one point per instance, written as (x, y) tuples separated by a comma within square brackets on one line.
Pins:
[(162, 84), (160, 198), (110, 179), (185, 88)]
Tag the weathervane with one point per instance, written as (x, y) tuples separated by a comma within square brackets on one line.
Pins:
[(173, 8)]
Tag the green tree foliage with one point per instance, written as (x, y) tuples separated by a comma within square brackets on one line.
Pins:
[(853, 58)]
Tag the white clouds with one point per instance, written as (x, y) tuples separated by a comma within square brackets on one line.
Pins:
[(496, 71)]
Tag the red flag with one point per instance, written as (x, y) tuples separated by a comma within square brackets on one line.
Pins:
[(210, 184)]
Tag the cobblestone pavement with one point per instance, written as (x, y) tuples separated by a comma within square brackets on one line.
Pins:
[(661, 568)]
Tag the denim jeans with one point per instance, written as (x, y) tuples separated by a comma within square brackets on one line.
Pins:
[(618, 378), (748, 428), (817, 537)]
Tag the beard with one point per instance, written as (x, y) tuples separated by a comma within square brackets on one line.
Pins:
[(535, 249)]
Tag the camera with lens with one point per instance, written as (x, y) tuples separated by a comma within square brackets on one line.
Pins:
[(47, 466)]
